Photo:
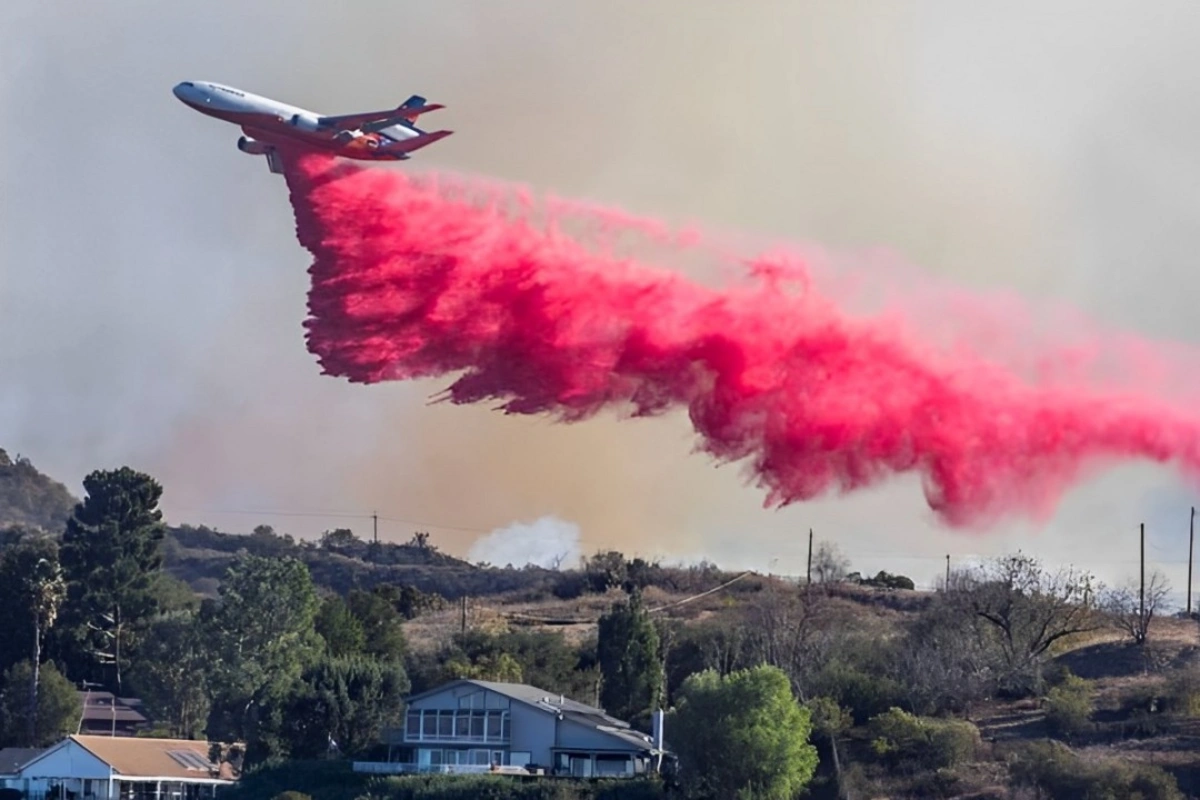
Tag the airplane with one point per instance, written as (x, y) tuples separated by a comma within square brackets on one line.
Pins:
[(268, 125)]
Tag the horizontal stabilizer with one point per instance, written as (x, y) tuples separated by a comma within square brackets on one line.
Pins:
[(409, 110), (415, 143)]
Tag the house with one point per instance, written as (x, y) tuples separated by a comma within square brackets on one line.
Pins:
[(123, 768), (483, 726), (105, 714), (11, 761)]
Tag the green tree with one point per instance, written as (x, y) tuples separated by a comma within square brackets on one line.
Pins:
[(261, 637), (345, 703), (630, 668), (382, 625), (58, 708), (111, 553), (341, 630), (31, 591), (753, 714), (169, 674)]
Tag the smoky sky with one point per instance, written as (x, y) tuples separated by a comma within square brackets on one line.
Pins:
[(152, 291)]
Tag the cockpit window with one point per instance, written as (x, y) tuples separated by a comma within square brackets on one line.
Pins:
[(188, 84)]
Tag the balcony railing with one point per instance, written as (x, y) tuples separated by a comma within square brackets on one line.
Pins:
[(397, 768)]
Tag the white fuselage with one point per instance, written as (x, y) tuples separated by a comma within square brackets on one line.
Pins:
[(258, 115)]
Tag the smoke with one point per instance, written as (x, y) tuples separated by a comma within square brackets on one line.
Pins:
[(546, 542), (152, 295), (411, 281)]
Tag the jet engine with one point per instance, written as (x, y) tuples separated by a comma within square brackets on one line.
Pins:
[(252, 146), (304, 122)]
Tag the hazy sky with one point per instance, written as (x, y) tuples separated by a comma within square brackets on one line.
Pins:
[(152, 291)]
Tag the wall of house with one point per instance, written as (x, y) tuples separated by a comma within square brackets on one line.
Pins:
[(70, 760), (532, 732)]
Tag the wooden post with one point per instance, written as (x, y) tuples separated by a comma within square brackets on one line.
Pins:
[(1191, 544), (375, 527), (1142, 588), (947, 587), (810, 537)]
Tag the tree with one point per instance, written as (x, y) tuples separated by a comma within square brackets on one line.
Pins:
[(261, 637), (1129, 613), (753, 714), (338, 539), (947, 659), (341, 630), (381, 623), (31, 591), (344, 703), (828, 564), (169, 675), (631, 672), (58, 709), (111, 552), (1028, 610), (831, 721)]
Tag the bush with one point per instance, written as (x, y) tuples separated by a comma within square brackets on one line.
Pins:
[(1069, 706), (292, 795), (493, 787), (1182, 694), (899, 737), (865, 694), (1054, 768)]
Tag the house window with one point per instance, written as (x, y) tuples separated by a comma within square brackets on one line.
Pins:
[(429, 725), (493, 726), (446, 724), (413, 730)]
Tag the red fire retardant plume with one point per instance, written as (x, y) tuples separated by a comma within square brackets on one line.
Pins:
[(409, 282)]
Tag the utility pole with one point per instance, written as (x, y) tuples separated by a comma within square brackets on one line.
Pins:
[(464, 613), (375, 526), (1191, 543), (1142, 589), (810, 556), (947, 587)]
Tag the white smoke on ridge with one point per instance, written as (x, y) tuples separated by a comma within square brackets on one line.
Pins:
[(547, 542)]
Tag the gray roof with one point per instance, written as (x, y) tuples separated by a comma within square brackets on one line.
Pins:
[(553, 704), (13, 758)]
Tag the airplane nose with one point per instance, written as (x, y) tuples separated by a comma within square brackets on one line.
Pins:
[(182, 90)]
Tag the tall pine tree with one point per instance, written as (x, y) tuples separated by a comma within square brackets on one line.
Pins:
[(111, 553), (630, 668)]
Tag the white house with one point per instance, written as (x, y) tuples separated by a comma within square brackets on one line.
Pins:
[(123, 768), (482, 726)]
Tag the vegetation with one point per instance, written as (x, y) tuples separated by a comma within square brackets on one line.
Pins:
[(1005, 682), (742, 735)]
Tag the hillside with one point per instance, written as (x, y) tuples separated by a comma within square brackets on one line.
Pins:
[(200, 555), (31, 499), (990, 689)]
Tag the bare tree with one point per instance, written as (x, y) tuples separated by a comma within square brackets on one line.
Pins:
[(829, 565), (1027, 610), (1128, 613), (791, 629)]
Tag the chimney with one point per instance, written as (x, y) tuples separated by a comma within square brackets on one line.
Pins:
[(659, 718)]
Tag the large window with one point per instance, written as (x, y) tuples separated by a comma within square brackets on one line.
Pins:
[(462, 725)]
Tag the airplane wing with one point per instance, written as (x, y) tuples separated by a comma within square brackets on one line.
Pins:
[(409, 110)]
